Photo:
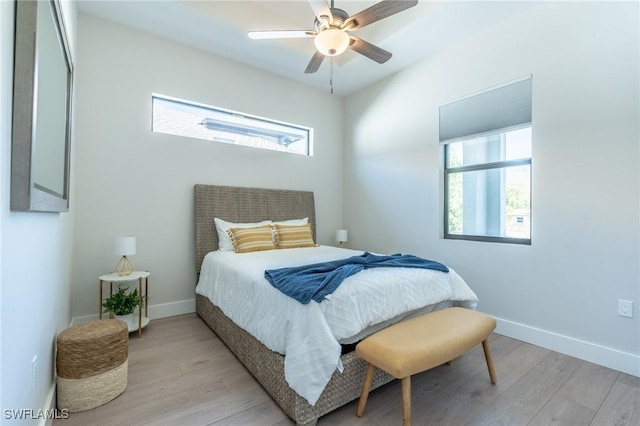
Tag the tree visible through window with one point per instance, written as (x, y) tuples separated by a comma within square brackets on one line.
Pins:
[(488, 186), (487, 138)]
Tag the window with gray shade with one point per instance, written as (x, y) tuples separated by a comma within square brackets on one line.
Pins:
[(487, 141), (190, 119)]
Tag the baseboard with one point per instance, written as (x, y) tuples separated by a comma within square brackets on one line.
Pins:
[(612, 358), (172, 309), (49, 405), (162, 310), (608, 357)]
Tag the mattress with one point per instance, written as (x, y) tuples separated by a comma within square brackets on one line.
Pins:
[(309, 336)]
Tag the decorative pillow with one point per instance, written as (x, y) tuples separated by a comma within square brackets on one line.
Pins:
[(288, 222), (292, 236), (251, 239), (222, 226)]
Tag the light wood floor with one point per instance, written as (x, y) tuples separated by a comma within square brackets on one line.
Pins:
[(180, 373)]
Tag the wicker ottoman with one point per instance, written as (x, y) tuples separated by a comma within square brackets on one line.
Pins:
[(91, 364)]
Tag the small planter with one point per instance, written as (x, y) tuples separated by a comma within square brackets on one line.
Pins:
[(123, 304), (128, 318)]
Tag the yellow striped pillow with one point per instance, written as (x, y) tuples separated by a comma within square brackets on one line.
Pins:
[(251, 239), (291, 236)]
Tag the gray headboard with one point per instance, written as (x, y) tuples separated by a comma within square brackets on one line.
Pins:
[(239, 204)]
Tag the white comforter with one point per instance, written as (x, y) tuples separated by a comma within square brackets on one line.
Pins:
[(309, 335)]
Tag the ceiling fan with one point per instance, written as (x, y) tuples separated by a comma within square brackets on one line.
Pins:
[(332, 30)]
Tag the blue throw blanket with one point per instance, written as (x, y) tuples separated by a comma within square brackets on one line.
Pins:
[(315, 281)]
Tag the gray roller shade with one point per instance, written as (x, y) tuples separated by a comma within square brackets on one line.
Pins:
[(507, 106)]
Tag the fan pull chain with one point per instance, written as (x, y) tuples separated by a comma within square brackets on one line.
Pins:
[(331, 74)]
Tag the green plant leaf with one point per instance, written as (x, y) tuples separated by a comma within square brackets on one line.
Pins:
[(122, 303)]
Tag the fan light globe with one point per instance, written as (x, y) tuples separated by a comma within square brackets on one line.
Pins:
[(332, 42)]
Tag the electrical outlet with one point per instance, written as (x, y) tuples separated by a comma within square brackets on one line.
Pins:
[(625, 308), (34, 371)]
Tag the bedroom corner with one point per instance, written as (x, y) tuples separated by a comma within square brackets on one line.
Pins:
[(35, 301)]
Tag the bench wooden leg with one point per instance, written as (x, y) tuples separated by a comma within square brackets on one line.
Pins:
[(366, 386), (406, 401), (487, 356)]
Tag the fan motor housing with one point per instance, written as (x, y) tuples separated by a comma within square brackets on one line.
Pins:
[(339, 19)]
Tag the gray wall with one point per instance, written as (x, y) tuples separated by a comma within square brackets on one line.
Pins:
[(35, 262), (133, 181), (562, 291)]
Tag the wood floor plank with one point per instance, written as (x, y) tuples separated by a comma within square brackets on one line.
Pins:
[(621, 407), (630, 380), (382, 401), (580, 396), (180, 373), (530, 393), (589, 385), (163, 398), (216, 409), (509, 370), (446, 409), (562, 411), (266, 414)]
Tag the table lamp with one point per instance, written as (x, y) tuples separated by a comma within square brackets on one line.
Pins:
[(341, 237), (124, 246)]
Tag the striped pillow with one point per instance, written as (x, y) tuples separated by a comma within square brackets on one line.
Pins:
[(294, 236), (251, 239)]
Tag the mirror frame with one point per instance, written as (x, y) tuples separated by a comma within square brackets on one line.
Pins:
[(26, 194)]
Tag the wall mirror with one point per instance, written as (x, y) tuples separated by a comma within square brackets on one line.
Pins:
[(42, 88)]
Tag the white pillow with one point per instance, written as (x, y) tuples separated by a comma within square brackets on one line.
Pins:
[(292, 222), (224, 240)]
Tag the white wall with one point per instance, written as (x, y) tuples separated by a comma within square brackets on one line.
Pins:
[(133, 181), (35, 262), (562, 291)]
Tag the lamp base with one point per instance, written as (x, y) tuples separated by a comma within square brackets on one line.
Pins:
[(123, 267)]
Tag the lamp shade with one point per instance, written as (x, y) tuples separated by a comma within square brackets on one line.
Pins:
[(332, 42), (341, 235), (125, 245)]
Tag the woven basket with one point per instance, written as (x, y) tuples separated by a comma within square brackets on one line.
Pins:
[(91, 364)]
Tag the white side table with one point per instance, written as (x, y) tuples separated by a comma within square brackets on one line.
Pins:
[(138, 276)]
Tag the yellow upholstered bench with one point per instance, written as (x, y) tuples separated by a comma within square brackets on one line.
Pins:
[(421, 343)]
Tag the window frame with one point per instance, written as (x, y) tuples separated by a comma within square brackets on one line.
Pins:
[(496, 110), (246, 116), (481, 167)]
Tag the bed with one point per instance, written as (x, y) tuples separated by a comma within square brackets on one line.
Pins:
[(246, 205)]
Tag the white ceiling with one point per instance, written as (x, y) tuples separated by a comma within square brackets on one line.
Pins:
[(220, 27)]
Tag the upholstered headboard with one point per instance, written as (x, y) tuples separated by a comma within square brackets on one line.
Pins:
[(239, 204)]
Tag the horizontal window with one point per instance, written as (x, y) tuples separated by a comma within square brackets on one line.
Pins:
[(184, 118)]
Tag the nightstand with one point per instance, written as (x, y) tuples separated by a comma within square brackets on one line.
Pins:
[(138, 276)]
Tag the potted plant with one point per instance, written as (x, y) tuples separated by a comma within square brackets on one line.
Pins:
[(122, 304)]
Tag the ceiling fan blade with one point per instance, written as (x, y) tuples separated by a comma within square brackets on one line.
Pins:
[(377, 12), (369, 50), (314, 63), (321, 8), (268, 34)]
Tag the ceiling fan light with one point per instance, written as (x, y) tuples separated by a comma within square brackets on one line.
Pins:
[(332, 42)]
